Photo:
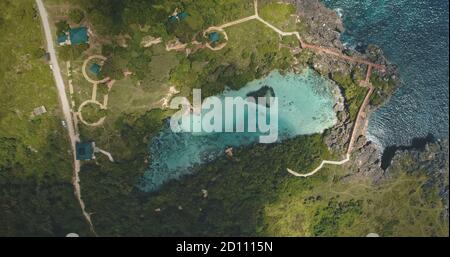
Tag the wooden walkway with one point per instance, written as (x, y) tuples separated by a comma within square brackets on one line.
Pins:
[(319, 49)]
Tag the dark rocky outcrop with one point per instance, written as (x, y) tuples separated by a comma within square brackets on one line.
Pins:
[(425, 154), (367, 159), (324, 24), (325, 27), (432, 160), (418, 144)]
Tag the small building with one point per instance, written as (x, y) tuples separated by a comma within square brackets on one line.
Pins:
[(63, 39), (214, 37), (173, 18), (47, 57), (76, 36), (182, 15), (178, 16), (79, 36), (229, 152), (39, 111), (85, 151), (95, 69)]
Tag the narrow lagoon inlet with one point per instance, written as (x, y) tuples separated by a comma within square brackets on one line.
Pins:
[(305, 106)]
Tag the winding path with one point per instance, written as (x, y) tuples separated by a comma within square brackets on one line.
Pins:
[(65, 108), (355, 131), (319, 49), (303, 45), (85, 73), (93, 99), (68, 113), (320, 167)]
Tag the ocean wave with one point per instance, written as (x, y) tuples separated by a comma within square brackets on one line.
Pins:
[(340, 12), (414, 35)]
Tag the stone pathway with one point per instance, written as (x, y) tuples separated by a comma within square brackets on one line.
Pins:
[(319, 49), (93, 100), (67, 111), (355, 131)]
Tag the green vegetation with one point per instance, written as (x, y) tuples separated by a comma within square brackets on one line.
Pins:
[(76, 15), (102, 89), (68, 53), (306, 56), (134, 20), (252, 194), (116, 15), (384, 89), (113, 68), (36, 195), (353, 93), (81, 86), (278, 14), (252, 52), (61, 27), (406, 204), (255, 179), (93, 113), (335, 216), (282, 15)]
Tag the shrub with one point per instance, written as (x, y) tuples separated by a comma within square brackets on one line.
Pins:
[(76, 15)]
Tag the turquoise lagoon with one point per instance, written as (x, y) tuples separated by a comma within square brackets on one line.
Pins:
[(305, 106)]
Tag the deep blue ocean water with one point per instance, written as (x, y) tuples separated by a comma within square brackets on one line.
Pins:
[(414, 35)]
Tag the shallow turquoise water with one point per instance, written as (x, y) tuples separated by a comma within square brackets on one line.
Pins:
[(305, 107)]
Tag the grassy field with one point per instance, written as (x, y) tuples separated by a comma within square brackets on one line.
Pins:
[(93, 113), (253, 195), (279, 14), (36, 195), (250, 45), (399, 206), (353, 93)]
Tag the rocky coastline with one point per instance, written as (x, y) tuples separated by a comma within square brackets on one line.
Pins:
[(426, 154), (325, 28), (431, 159)]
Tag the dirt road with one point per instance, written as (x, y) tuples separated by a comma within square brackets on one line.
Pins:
[(65, 107)]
